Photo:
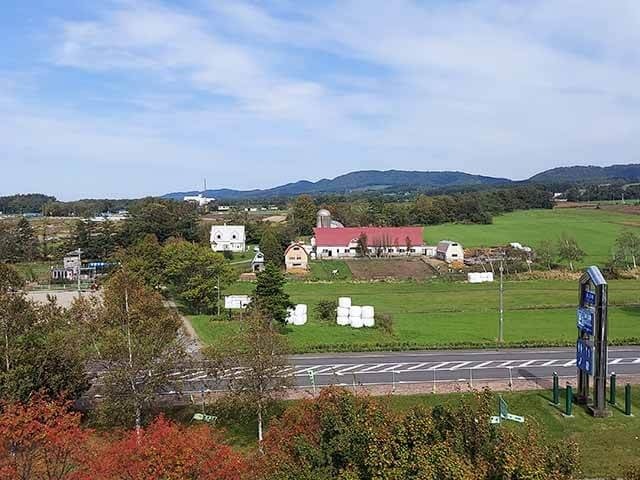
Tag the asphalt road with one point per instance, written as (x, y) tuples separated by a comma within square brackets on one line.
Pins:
[(387, 368)]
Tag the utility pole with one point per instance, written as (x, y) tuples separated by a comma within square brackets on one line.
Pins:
[(79, 268), (218, 288), (501, 329)]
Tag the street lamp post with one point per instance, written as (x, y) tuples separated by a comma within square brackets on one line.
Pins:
[(501, 328)]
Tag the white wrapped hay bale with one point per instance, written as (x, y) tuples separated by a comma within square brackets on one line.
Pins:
[(355, 311), (301, 309), (344, 302), (368, 312), (300, 320), (343, 320), (291, 315), (368, 321), (356, 322), (342, 312)]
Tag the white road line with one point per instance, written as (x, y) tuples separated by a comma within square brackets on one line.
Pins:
[(482, 365), (616, 361), (438, 366), (637, 360), (506, 364), (373, 367), (526, 364), (461, 365), (415, 367), (352, 367), (394, 367), (549, 362), (569, 363)]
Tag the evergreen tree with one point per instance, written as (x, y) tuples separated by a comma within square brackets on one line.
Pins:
[(269, 296), (271, 247), (27, 243)]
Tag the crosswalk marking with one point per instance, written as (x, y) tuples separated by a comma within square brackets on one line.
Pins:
[(394, 367), (460, 365), (616, 361), (352, 367), (415, 367), (439, 365), (373, 367), (548, 363), (527, 363), (483, 364), (506, 364), (570, 363)]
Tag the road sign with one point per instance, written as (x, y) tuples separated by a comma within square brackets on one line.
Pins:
[(585, 319), (584, 356), (588, 298), (204, 418)]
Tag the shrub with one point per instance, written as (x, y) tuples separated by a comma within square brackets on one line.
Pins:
[(228, 254), (385, 323), (326, 310)]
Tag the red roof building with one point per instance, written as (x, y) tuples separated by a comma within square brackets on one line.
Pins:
[(342, 242)]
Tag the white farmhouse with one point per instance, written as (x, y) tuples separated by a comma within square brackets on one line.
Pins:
[(449, 251), (227, 237)]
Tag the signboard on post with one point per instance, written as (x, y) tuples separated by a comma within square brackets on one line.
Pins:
[(503, 413), (591, 345), (584, 356)]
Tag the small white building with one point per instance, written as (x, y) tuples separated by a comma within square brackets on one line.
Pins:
[(296, 257), (228, 237), (449, 251), (236, 302), (257, 264), (200, 199), (224, 208)]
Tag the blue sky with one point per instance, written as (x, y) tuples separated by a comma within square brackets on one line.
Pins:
[(127, 98)]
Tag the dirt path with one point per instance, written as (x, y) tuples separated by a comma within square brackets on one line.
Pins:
[(192, 341)]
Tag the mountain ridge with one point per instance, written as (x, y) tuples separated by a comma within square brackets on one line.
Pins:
[(363, 180)]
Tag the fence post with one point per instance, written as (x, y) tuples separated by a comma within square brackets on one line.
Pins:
[(627, 399), (556, 389), (612, 389), (568, 410)]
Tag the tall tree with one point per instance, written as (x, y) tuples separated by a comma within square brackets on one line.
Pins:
[(569, 250), (196, 273), (271, 246), (260, 352), (546, 253), (39, 351), (627, 248), (269, 296), (146, 260), (26, 240), (41, 439), (303, 215), (137, 346)]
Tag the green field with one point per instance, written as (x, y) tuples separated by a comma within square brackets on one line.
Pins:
[(595, 230), (440, 314)]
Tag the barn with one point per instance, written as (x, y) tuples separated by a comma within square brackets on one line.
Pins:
[(380, 241)]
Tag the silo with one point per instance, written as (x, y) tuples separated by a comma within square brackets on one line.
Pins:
[(323, 218)]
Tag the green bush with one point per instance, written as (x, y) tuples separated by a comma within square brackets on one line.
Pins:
[(326, 310)]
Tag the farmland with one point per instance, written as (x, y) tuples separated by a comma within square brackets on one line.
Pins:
[(595, 229), (441, 314)]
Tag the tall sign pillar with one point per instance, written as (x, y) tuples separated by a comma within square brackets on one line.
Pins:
[(592, 346)]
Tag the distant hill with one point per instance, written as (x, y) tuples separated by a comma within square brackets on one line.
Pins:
[(396, 180), (357, 181), (588, 174)]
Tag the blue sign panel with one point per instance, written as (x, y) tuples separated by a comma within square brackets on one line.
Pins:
[(584, 356), (589, 298), (585, 319)]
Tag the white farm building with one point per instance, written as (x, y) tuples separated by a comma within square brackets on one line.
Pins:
[(449, 251), (228, 237)]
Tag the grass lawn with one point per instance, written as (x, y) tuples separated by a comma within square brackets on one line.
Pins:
[(35, 271), (433, 314), (323, 270), (595, 230)]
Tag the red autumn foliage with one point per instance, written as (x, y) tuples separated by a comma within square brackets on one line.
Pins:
[(41, 439), (168, 451)]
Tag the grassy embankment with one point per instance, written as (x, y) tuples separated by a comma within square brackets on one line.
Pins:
[(438, 314), (606, 445)]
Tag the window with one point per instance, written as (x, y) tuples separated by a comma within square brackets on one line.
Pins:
[(454, 255), (218, 236), (233, 236)]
